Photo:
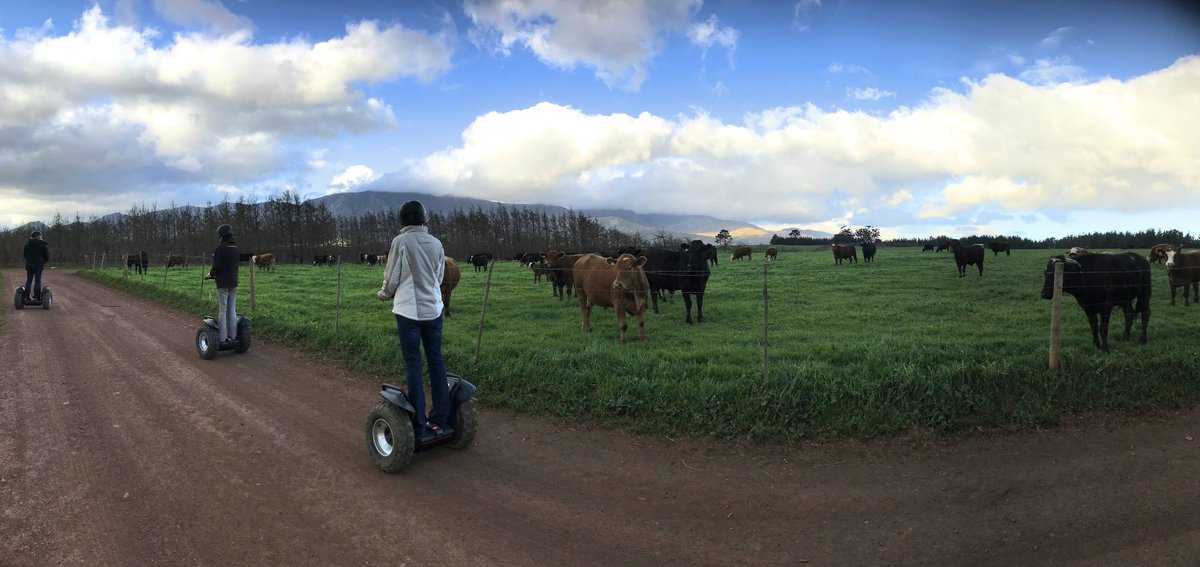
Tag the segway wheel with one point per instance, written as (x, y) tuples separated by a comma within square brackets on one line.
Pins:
[(19, 298), (390, 440), (465, 422), (47, 298), (243, 336), (207, 343)]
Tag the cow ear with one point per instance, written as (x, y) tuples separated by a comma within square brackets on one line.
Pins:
[(641, 261)]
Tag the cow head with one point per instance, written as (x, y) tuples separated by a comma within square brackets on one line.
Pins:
[(1071, 269), (1077, 251), (1159, 252), (695, 257), (629, 272), (1171, 257)]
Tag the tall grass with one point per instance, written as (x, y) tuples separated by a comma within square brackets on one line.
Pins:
[(857, 350)]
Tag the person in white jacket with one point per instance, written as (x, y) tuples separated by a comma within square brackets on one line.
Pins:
[(412, 281)]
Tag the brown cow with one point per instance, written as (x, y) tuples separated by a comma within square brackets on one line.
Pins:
[(1183, 270), (449, 282), (179, 260), (772, 253), (844, 252), (742, 252), (265, 262), (1158, 252), (560, 264), (619, 283)]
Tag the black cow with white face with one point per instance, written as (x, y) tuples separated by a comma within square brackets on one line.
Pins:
[(480, 260), (1100, 282)]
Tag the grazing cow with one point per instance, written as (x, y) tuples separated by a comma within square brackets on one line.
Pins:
[(324, 260), (1077, 251), (1183, 270), (1100, 282), (480, 260), (711, 252), (927, 248), (942, 246), (1158, 252), (966, 255), (531, 258), (772, 253), (369, 259), (265, 262), (683, 270), (998, 247), (176, 260), (844, 252), (449, 281), (619, 283), (868, 252), (139, 262), (560, 266), (742, 252)]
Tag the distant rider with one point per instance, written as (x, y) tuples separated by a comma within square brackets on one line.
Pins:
[(225, 271), (412, 280), (37, 253)]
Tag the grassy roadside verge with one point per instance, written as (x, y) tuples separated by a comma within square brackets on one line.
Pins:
[(860, 350)]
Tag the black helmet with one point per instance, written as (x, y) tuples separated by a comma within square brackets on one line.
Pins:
[(224, 230), (412, 213), (36, 234)]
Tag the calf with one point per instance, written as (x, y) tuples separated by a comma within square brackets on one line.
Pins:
[(480, 260), (449, 281), (967, 255), (868, 252), (1183, 270), (619, 283), (942, 246), (844, 252), (772, 254), (265, 262), (139, 262), (1158, 252), (176, 260), (560, 265), (927, 248), (742, 252), (324, 260), (1100, 282), (711, 252), (998, 247), (531, 258)]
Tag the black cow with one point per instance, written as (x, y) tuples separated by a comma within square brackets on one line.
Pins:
[(711, 252), (868, 252), (966, 255), (998, 247), (530, 258), (139, 262), (480, 260), (927, 248), (1100, 282), (685, 270), (942, 246), (368, 259), (324, 260)]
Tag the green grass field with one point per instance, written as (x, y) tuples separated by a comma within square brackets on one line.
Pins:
[(858, 350)]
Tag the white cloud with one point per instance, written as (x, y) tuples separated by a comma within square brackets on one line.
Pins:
[(1000, 143), (211, 14), (837, 67), (103, 107), (869, 93), (710, 33), (352, 178), (1053, 70), (802, 13), (1055, 38), (617, 39)]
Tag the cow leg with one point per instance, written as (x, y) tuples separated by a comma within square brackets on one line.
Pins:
[(1127, 309), (1091, 315), (1105, 316), (654, 299), (1172, 295), (687, 307), (1144, 309), (639, 313), (585, 313), (700, 307), (622, 323)]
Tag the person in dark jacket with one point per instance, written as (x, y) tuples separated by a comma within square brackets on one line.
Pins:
[(37, 253), (225, 271)]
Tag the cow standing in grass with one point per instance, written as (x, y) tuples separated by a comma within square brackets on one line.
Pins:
[(868, 252), (965, 255), (1101, 282), (449, 282), (619, 283), (1183, 270), (844, 252), (772, 254), (742, 252)]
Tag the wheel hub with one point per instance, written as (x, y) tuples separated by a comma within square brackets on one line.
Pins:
[(381, 436)]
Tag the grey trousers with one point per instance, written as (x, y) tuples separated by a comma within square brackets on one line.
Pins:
[(227, 318)]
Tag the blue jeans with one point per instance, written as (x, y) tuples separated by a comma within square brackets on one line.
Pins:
[(227, 313), (413, 334), (33, 287)]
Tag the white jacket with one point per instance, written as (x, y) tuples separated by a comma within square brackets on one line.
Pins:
[(415, 267)]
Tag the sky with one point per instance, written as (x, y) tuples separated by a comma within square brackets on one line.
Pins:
[(1036, 118)]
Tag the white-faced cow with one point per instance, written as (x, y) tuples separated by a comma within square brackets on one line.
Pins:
[(772, 254), (967, 255), (264, 262), (1183, 270), (1101, 282), (480, 260), (844, 252), (619, 283)]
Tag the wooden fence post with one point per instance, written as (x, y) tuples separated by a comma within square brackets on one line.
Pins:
[(483, 314), (765, 359), (103, 255), (165, 260), (253, 305), (1056, 315), (337, 318), (200, 293), (125, 269)]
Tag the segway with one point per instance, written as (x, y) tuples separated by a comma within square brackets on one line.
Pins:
[(209, 343), (45, 299), (391, 440)]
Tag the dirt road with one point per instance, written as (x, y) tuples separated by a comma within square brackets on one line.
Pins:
[(120, 446)]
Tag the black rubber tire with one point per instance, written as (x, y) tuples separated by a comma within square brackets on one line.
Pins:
[(47, 298), (465, 422), (399, 429), (243, 337), (207, 343), (18, 301)]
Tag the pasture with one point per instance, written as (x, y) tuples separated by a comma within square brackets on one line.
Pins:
[(856, 350)]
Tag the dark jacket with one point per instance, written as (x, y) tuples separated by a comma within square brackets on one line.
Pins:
[(37, 253), (225, 265)]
